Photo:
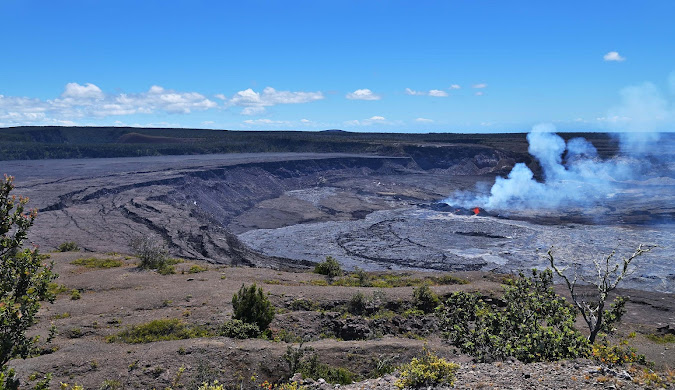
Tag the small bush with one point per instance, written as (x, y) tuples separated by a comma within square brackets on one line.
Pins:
[(304, 304), (238, 329), (152, 253), (158, 330), (330, 267), (252, 306), (211, 386), (357, 304), (75, 294), (429, 370), (424, 299), (614, 355), (93, 262), (69, 246)]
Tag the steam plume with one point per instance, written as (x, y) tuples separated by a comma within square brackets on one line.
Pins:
[(580, 179), (573, 173)]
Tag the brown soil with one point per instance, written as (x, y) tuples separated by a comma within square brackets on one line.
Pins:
[(113, 299)]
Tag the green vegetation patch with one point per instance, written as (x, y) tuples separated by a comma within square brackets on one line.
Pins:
[(95, 262), (362, 278), (195, 269), (55, 289), (159, 330), (662, 338)]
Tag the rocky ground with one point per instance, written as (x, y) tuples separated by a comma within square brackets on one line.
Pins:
[(113, 299)]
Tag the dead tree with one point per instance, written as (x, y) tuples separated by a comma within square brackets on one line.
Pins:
[(592, 306)]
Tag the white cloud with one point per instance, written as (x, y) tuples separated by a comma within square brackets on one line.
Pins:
[(207, 123), (433, 92), (265, 121), (88, 101), (254, 102), (424, 120), (373, 120), (77, 91), (455, 86), (363, 94), (220, 96), (613, 56), (438, 93), (253, 110), (479, 93), (479, 86), (303, 120)]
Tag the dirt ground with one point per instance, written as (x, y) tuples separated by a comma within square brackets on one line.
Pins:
[(114, 299)]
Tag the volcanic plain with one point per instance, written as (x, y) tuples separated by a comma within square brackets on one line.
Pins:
[(269, 217)]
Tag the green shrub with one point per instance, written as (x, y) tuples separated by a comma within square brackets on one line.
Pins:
[(69, 246), (75, 294), (158, 330), (304, 304), (312, 368), (357, 304), (211, 386), (330, 267), (425, 299), (252, 306), (24, 280), (94, 262), (613, 355), (429, 370), (238, 329), (535, 324)]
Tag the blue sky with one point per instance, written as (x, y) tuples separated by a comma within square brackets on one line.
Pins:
[(455, 66)]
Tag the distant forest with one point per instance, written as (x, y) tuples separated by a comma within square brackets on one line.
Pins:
[(34, 143)]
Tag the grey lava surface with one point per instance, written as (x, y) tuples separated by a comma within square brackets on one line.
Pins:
[(424, 239), (292, 209)]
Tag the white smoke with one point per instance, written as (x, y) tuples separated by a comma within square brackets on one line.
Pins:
[(573, 173), (576, 178), (581, 179)]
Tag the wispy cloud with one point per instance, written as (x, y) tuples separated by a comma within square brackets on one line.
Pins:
[(613, 56), (433, 92), (437, 93), (424, 120), (254, 103), (455, 86), (375, 119), (479, 93), (265, 121), (363, 94), (479, 86)]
